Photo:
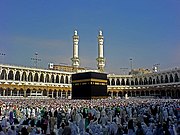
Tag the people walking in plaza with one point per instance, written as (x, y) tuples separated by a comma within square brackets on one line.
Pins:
[(84, 117)]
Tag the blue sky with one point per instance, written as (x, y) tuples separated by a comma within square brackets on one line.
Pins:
[(148, 31)]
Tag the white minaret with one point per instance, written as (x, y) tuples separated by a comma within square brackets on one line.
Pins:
[(100, 59), (75, 58)]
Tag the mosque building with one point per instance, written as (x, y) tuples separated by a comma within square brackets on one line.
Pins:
[(55, 82)]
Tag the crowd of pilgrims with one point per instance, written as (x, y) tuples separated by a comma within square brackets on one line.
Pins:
[(90, 117)]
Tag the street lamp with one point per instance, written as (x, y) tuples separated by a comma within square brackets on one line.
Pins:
[(131, 64), (36, 59)]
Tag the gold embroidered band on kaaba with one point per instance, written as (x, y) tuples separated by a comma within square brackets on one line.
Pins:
[(90, 80)]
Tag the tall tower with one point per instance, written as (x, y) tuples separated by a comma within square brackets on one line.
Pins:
[(100, 59), (75, 58)]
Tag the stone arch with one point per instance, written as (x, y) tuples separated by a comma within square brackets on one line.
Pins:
[(154, 81), (54, 93), (162, 79), (140, 81), (36, 77), (7, 91), (28, 92), (10, 75), (47, 78), (109, 93), (14, 92), (150, 80), (57, 78), (163, 93), (142, 93), (21, 92), (52, 78), (113, 82), (120, 94), (133, 93), (44, 93), (42, 77), (3, 74), (62, 79), (123, 82), (157, 93), (118, 82), (129, 93), (168, 93), (17, 76), (127, 81), (145, 81), (176, 78), (114, 93), (138, 93), (171, 79), (136, 81), (166, 79), (24, 76), (30, 77), (147, 93), (157, 80), (132, 82), (66, 80), (152, 92)]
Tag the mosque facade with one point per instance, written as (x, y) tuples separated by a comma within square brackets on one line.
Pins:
[(20, 82)]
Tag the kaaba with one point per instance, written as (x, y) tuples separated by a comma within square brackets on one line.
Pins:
[(89, 85)]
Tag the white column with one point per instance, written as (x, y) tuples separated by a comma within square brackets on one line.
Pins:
[(4, 92), (44, 78), (57, 94), (11, 93), (24, 93), (20, 75), (52, 95), (66, 94), (42, 93), (110, 81), (39, 75), (61, 94), (120, 81), (125, 79), (111, 94), (115, 79), (14, 74), (17, 92)]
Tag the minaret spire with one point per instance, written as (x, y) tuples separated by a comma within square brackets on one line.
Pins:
[(75, 58), (100, 59)]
